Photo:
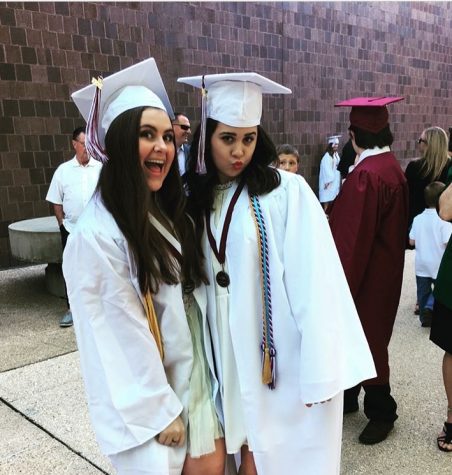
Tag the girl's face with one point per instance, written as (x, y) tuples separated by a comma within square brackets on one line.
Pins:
[(232, 150), (288, 162), (156, 146)]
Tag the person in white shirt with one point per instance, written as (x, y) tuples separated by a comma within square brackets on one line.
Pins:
[(182, 132), (430, 235), (72, 186)]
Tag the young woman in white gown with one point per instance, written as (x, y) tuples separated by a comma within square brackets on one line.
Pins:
[(329, 175), (142, 360), (286, 338)]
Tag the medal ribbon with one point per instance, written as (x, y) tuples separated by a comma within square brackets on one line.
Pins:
[(221, 253)]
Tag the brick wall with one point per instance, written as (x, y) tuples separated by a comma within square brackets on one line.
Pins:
[(324, 52)]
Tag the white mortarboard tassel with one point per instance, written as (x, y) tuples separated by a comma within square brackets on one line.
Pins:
[(200, 162), (105, 99), (234, 99), (93, 147)]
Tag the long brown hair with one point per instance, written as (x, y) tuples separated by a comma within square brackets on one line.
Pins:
[(127, 197)]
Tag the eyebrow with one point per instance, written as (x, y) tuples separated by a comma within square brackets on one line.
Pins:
[(149, 126), (235, 134)]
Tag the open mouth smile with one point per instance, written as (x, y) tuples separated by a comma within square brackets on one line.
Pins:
[(154, 164)]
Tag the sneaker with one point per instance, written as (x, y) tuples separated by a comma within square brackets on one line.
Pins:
[(375, 432), (426, 317), (66, 321)]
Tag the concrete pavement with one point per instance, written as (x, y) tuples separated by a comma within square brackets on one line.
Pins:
[(44, 423)]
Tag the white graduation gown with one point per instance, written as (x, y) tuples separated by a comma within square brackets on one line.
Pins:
[(131, 395), (330, 177), (320, 344)]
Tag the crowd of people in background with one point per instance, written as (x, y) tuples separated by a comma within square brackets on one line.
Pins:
[(196, 276)]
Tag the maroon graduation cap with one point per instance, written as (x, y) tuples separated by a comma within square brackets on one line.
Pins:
[(369, 113)]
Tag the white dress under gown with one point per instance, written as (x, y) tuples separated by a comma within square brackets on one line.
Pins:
[(203, 425), (321, 348)]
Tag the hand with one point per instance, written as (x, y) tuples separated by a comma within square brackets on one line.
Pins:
[(173, 435), (321, 402)]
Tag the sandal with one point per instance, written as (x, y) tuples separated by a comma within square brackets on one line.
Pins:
[(446, 438)]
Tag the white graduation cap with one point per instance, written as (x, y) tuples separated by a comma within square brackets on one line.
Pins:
[(105, 99), (234, 99), (334, 139)]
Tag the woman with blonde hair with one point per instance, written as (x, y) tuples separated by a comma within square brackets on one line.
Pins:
[(432, 166)]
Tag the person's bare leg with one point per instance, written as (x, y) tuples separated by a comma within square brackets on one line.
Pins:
[(447, 378), (210, 464), (247, 467)]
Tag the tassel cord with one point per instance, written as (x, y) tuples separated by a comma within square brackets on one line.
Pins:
[(200, 163), (93, 146)]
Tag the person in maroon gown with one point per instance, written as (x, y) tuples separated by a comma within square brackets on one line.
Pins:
[(368, 221)]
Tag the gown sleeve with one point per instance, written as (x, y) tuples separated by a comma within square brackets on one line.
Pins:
[(334, 353), (129, 397)]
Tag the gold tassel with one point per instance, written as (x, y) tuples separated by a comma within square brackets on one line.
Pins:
[(266, 368), (153, 322), (98, 82)]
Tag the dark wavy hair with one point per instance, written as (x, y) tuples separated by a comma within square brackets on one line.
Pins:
[(259, 177), (365, 139), (125, 193)]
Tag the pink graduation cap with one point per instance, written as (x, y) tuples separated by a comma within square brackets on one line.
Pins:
[(369, 113)]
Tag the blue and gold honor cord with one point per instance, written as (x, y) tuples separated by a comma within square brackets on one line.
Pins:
[(267, 346)]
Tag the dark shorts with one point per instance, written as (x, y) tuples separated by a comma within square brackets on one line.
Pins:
[(441, 331)]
